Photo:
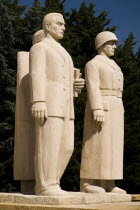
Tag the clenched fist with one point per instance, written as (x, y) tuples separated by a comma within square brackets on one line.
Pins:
[(39, 111), (98, 117)]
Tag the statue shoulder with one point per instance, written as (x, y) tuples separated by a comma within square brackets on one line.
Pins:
[(92, 63), (40, 46)]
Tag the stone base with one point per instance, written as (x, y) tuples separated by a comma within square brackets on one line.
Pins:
[(74, 198), (103, 206), (136, 197)]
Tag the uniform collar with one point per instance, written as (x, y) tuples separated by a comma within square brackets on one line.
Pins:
[(108, 61)]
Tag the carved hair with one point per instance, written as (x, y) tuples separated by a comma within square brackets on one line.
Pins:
[(38, 36)]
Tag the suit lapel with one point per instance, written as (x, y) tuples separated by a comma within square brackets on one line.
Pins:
[(57, 47)]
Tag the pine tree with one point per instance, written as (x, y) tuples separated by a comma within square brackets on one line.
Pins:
[(7, 108), (82, 26), (32, 22), (129, 62), (10, 30), (6, 32), (54, 6), (7, 95)]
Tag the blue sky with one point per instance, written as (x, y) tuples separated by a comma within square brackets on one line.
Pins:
[(124, 13)]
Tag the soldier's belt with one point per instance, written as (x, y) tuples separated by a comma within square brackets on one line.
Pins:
[(116, 93)]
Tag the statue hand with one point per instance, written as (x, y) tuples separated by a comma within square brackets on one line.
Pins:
[(79, 84), (39, 111), (98, 117)]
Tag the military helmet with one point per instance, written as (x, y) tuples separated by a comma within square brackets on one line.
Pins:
[(104, 37)]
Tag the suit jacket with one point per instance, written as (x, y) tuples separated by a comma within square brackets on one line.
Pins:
[(50, 78), (51, 71)]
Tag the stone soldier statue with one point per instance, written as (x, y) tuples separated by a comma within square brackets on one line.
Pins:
[(103, 141), (52, 85)]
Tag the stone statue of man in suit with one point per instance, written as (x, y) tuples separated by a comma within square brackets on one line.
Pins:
[(47, 136), (102, 153), (52, 85)]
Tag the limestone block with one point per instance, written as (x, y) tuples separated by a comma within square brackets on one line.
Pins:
[(136, 197), (6, 198), (104, 206), (73, 198), (106, 198), (32, 199), (24, 123), (44, 101)]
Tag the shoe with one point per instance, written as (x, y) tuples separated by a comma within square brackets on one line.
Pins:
[(93, 189), (118, 190), (54, 192)]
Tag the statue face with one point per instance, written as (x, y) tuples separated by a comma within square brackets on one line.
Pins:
[(109, 48), (57, 27)]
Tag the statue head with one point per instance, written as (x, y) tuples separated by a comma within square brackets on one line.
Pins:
[(54, 25), (105, 43), (38, 36)]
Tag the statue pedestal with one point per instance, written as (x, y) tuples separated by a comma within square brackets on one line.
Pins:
[(136, 197), (75, 201), (74, 198)]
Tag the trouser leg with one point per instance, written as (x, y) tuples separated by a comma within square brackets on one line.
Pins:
[(100, 183), (67, 146), (47, 152), (110, 185), (27, 186), (112, 188)]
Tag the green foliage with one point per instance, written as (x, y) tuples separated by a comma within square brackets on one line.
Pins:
[(10, 22), (130, 65), (82, 26), (55, 6), (31, 23), (7, 94), (7, 110)]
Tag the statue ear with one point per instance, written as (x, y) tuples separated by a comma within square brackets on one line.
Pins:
[(47, 26)]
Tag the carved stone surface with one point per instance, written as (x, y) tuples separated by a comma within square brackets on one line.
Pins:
[(24, 148), (103, 141), (45, 89), (73, 198)]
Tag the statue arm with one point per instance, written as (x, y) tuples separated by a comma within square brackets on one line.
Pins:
[(94, 94), (78, 82), (38, 82)]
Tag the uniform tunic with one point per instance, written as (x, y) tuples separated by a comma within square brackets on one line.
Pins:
[(102, 152)]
